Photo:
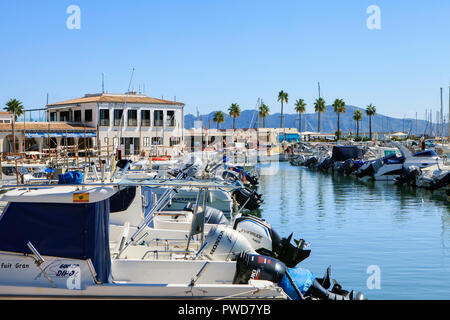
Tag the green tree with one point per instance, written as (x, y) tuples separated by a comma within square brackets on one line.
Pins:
[(219, 118), (234, 112), (357, 116), (15, 107), (339, 107), (263, 113), (319, 107), (283, 98), (370, 112), (300, 107)]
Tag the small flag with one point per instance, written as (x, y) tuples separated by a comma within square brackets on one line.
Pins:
[(81, 197)]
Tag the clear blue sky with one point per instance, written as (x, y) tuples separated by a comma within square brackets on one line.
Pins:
[(210, 54)]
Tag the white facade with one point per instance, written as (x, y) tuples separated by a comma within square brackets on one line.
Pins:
[(145, 125)]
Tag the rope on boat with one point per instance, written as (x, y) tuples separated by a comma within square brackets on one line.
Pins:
[(254, 291)]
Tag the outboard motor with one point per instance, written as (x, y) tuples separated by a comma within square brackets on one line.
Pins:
[(311, 161), (224, 243), (408, 175), (366, 170), (123, 163), (297, 283), (326, 164), (440, 182), (212, 215), (348, 166), (248, 198), (266, 241), (230, 175)]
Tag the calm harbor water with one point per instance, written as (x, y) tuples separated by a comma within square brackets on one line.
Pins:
[(354, 225)]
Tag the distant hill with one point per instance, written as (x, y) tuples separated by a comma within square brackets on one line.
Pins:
[(380, 123)]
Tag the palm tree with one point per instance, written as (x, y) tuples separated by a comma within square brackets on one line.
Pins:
[(319, 107), (370, 111), (282, 97), (339, 107), (219, 118), (357, 116), (234, 112), (263, 113), (15, 107), (300, 107)]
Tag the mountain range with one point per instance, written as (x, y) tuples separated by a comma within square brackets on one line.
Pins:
[(380, 123)]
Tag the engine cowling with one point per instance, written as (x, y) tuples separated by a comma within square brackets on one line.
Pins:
[(224, 243), (265, 240)]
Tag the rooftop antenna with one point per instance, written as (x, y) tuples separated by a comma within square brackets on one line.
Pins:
[(103, 82)]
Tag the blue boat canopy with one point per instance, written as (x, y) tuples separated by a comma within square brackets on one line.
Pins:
[(426, 153), (68, 230), (342, 153)]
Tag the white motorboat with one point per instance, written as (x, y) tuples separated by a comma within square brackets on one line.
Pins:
[(64, 230)]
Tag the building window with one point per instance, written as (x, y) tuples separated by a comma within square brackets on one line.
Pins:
[(53, 116), (158, 116), (117, 117), (156, 141), (145, 118), (146, 142), (175, 141), (104, 117), (88, 115), (132, 118), (7, 121), (77, 116), (131, 145), (170, 120), (64, 116)]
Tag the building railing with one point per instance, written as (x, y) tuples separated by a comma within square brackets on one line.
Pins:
[(104, 122), (132, 122), (145, 123), (158, 123)]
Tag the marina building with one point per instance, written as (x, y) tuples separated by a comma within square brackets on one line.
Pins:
[(134, 123)]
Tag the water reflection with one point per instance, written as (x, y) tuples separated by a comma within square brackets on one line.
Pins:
[(352, 224)]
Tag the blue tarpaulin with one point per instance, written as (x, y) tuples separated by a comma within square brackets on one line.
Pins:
[(303, 279), (79, 231), (289, 137), (71, 177)]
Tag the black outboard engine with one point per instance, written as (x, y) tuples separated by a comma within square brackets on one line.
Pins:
[(258, 267), (230, 175), (311, 162), (408, 175), (348, 166), (248, 198), (212, 215), (297, 283), (122, 163), (325, 164), (266, 241), (253, 180), (366, 171), (441, 182)]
